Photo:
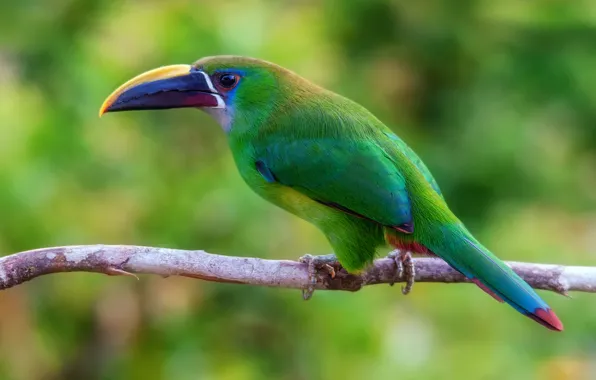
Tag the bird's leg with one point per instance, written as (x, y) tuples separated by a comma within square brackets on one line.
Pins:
[(316, 263), (405, 269)]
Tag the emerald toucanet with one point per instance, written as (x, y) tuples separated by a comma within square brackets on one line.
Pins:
[(331, 162)]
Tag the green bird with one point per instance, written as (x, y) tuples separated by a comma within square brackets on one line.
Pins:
[(328, 160)]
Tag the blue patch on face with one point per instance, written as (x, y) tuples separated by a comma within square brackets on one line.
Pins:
[(230, 94)]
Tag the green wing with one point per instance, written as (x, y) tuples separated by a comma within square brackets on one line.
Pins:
[(413, 157), (354, 176)]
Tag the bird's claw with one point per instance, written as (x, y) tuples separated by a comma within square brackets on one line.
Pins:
[(409, 272), (405, 269), (316, 263)]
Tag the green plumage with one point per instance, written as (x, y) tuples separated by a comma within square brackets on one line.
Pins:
[(329, 161), (325, 149)]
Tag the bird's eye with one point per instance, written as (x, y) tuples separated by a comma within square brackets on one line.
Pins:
[(228, 80)]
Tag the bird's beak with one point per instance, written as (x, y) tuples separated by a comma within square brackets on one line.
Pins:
[(175, 86)]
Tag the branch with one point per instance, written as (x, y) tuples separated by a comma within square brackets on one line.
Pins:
[(128, 260)]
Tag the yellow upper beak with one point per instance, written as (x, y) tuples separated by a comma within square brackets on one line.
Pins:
[(160, 73)]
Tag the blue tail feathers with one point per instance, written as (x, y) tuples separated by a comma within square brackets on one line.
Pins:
[(460, 250)]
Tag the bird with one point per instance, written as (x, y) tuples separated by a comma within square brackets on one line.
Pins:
[(330, 161)]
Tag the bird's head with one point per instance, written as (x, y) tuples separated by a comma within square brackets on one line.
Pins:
[(227, 87)]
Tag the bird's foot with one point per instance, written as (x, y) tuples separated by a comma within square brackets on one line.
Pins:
[(405, 269), (315, 264)]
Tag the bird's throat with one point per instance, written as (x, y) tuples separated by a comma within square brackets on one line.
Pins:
[(222, 116)]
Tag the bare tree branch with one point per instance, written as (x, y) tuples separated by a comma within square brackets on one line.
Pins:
[(128, 260)]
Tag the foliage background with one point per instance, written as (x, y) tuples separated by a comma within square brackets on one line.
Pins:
[(496, 96)]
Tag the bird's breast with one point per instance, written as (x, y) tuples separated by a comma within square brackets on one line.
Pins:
[(282, 196)]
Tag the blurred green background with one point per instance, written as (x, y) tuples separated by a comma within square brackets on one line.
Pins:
[(498, 98)]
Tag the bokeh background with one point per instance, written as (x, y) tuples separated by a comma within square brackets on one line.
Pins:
[(498, 97)]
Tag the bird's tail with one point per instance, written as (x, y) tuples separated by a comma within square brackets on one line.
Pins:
[(462, 251)]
